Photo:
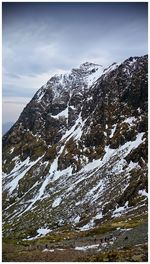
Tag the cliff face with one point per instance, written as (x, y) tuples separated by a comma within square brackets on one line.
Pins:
[(77, 156)]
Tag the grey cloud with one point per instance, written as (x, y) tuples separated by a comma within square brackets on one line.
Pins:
[(45, 37), (12, 75)]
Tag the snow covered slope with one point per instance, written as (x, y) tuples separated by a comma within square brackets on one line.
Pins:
[(77, 156)]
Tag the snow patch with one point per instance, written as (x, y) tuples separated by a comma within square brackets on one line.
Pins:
[(56, 202), (41, 93), (143, 193), (90, 98), (87, 226), (63, 113), (130, 120), (83, 248), (98, 188), (118, 167), (94, 76), (12, 150), (76, 220), (120, 210), (113, 130), (58, 174), (43, 231), (19, 172), (99, 216), (112, 67), (48, 250), (132, 165), (76, 130), (105, 134), (72, 107)]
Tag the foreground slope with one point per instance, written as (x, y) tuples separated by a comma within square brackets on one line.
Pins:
[(76, 159)]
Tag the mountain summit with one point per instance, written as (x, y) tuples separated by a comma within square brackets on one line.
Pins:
[(76, 159)]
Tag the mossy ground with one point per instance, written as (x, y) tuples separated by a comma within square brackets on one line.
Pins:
[(132, 254), (121, 250)]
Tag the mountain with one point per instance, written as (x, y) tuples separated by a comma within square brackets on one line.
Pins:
[(76, 159), (6, 126)]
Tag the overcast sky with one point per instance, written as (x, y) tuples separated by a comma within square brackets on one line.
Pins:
[(41, 39)]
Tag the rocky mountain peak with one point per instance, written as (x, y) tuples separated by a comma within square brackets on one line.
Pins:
[(77, 156), (80, 78), (89, 66)]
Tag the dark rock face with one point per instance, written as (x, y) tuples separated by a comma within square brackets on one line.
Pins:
[(79, 148)]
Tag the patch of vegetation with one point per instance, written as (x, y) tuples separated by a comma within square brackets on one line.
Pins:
[(95, 137), (135, 254), (129, 222), (122, 135), (70, 156), (51, 153)]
